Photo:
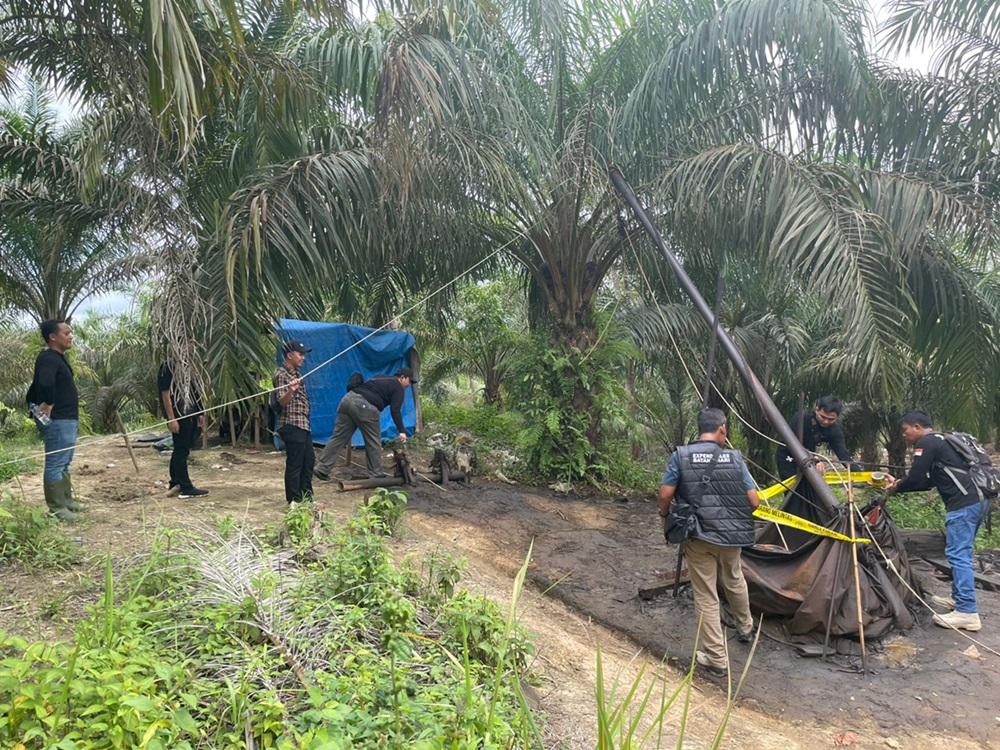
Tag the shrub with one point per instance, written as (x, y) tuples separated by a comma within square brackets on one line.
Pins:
[(492, 427), (231, 644)]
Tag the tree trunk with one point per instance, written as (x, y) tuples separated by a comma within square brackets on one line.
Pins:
[(895, 446)]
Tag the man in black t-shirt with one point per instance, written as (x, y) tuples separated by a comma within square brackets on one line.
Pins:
[(937, 464), (182, 409), (816, 426), (53, 392), (361, 409)]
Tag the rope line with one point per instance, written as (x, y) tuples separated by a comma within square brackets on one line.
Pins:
[(115, 436)]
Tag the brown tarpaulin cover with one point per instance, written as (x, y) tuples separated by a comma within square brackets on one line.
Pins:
[(812, 580)]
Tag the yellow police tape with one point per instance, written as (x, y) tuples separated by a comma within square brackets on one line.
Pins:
[(787, 519), (830, 477)]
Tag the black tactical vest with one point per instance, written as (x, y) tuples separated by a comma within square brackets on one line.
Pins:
[(725, 517)]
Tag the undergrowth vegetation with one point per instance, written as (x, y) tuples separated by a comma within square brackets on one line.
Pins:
[(926, 511), (30, 535), (312, 639)]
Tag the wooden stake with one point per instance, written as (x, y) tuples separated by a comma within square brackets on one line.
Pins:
[(131, 453), (857, 575)]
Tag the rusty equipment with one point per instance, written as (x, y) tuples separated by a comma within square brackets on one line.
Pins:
[(404, 473)]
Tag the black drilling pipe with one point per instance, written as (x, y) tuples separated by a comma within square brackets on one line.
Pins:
[(802, 458)]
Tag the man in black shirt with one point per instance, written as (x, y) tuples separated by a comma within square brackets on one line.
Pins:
[(937, 464), (54, 392), (816, 426), (185, 421), (361, 409)]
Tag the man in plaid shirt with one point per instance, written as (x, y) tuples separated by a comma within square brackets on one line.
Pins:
[(293, 423)]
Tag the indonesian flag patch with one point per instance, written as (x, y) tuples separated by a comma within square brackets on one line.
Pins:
[(918, 451)]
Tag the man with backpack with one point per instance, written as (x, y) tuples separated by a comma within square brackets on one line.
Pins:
[(938, 462), (361, 409)]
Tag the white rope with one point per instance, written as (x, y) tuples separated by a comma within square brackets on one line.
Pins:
[(892, 567), (115, 436)]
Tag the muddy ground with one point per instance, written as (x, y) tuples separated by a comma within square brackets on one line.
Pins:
[(927, 690)]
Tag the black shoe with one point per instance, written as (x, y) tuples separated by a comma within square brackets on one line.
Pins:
[(321, 476), (702, 659), (746, 637), (192, 492)]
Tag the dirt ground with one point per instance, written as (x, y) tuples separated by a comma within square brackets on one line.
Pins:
[(926, 690)]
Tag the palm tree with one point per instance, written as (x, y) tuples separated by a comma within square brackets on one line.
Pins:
[(61, 245), (481, 336), (116, 371)]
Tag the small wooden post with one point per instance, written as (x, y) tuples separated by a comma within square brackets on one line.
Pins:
[(131, 453), (857, 577)]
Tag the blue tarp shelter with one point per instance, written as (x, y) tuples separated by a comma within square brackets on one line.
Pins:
[(338, 345)]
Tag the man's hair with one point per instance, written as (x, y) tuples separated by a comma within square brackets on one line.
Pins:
[(831, 404), (49, 327), (710, 420), (917, 417)]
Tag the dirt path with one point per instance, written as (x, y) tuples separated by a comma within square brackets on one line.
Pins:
[(590, 556)]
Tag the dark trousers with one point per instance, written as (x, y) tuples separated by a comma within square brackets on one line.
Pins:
[(355, 413), (299, 460), (183, 439)]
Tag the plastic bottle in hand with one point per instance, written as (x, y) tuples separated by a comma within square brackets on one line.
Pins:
[(43, 419)]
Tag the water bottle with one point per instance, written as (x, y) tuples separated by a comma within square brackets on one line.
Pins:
[(43, 419)]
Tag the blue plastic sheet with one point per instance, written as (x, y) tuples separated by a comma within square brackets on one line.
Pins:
[(382, 353)]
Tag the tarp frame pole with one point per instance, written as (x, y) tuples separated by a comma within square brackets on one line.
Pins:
[(803, 459)]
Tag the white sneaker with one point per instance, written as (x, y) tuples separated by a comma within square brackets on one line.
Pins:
[(959, 621), (943, 601)]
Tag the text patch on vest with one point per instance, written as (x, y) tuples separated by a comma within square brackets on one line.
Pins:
[(706, 458)]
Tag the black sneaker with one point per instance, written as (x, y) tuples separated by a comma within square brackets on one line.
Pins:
[(702, 659), (321, 476), (746, 637), (192, 492)]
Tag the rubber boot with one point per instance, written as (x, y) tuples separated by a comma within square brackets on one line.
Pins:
[(53, 499), (69, 502)]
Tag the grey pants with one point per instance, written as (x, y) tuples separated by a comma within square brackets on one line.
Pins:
[(354, 413)]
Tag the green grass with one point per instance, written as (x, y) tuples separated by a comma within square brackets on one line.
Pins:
[(14, 453), (924, 510), (317, 642), (30, 535)]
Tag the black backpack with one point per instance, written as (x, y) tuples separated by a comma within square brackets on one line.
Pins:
[(355, 380), (978, 463)]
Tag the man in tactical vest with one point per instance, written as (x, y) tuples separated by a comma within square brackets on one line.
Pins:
[(715, 482)]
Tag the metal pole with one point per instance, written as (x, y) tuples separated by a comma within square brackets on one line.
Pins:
[(720, 288), (802, 458)]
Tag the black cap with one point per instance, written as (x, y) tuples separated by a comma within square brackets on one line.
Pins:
[(406, 372), (296, 346)]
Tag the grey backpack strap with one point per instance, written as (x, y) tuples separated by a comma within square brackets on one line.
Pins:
[(950, 471)]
